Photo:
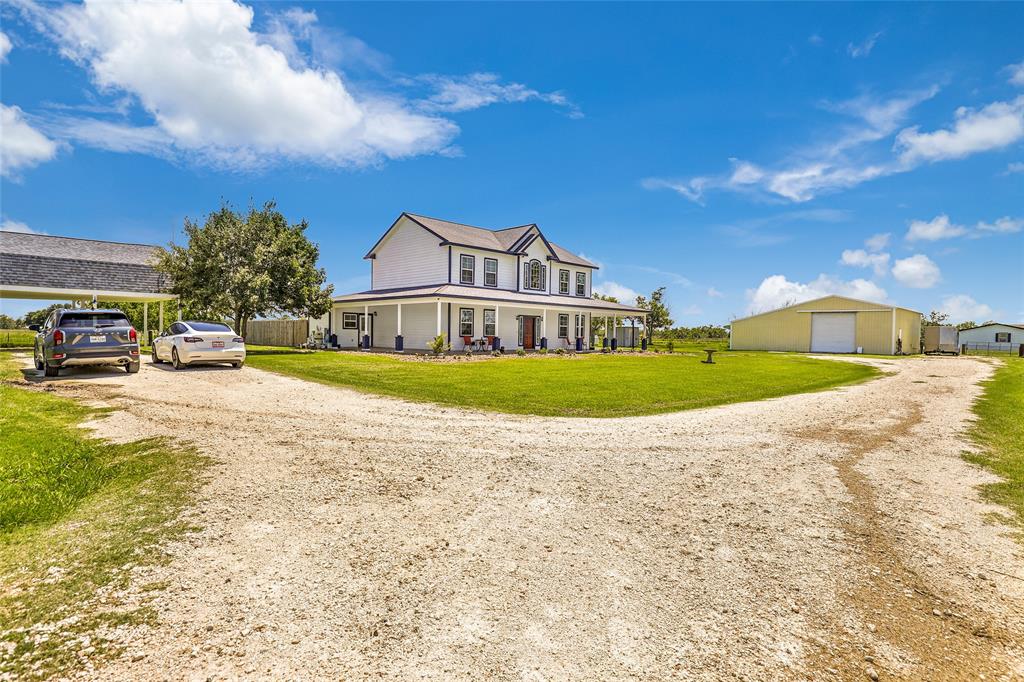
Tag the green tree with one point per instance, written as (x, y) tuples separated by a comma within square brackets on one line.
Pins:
[(8, 322), (39, 316), (597, 321), (240, 267), (659, 315)]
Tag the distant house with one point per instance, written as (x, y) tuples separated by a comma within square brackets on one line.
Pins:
[(481, 288), (832, 324), (993, 336)]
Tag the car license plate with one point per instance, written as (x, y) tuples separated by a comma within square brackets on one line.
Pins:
[(97, 338), (218, 344)]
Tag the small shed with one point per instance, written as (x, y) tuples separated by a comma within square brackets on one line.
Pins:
[(831, 324), (993, 336)]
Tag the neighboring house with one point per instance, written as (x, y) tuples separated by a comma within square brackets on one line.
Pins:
[(993, 336), (510, 288), (831, 324)]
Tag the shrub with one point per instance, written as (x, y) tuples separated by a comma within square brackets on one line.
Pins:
[(439, 344), (496, 353), (543, 351), (520, 352), (670, 346), (559, 351)]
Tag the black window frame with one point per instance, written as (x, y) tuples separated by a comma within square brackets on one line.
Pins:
[(488, 261), (494, 322), (472, 321), (1008, 336), (355, 321), (528, 272), (563, 329), (581, 286), (565, 291), (471, 269)]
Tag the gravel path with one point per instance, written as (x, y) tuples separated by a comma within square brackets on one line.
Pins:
[(825, 536)]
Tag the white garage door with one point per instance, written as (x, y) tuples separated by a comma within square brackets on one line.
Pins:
[(833, 332)]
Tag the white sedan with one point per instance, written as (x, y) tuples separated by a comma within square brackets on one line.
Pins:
[(185, 343)]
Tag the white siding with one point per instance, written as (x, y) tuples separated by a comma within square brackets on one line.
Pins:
[(409, 256), (987, 335), (506, 267)]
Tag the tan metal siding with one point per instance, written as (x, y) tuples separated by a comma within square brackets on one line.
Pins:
[(789, 329)]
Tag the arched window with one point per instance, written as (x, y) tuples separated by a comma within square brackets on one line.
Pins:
[(534, 275)]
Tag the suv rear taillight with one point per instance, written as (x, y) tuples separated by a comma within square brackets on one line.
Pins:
[(133, 336), (58, 337), (192, 339), (238, 339)]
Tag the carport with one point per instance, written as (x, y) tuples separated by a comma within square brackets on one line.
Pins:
[(83, 271)]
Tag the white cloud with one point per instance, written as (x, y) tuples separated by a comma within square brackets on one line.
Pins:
[(815, 39), (714, 293), (21, 145), (777, 291), (1014, 167), (1004, 225), (994, 126), (16, 226), (939, 227), (1016, 73), (623, 293), (840, 162), (877, 242), (917, 271), (962, 308), (478, 90), (864, 48), (860, 258), (219, 92), (5, 47)]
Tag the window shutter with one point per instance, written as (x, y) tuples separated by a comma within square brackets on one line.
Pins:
[(526, 275), (544, 277)]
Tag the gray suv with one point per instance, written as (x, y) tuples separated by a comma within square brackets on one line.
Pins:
[(85, 337)]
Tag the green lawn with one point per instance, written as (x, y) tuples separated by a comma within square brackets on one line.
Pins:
[(999, 432), (17, 338), (76, 513), (597, 385)]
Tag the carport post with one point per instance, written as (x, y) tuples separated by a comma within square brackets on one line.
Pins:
[(161, 317), (145, 320), (178, 301)]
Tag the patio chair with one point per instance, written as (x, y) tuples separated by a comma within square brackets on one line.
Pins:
[(467, 342), (489, 341)]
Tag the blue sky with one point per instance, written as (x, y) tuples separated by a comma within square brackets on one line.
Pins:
[(744, 156)]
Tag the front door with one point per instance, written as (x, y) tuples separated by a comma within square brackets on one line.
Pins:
[(528, 323)]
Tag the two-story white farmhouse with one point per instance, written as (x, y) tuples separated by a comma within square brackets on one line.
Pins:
[(483, 289)]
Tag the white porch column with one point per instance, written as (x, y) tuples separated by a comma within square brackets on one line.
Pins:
[(161, 318), (543, 323), (399, 328), (366, 325), (438, 318)]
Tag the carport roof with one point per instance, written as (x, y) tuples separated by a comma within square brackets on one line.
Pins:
[(53, 267)]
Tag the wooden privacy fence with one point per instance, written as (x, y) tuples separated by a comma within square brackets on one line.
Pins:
[(277, 332)]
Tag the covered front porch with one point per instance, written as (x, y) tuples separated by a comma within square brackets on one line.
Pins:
[(471, 325)]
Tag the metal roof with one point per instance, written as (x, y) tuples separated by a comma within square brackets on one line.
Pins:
[(495, 295), (879, 306)]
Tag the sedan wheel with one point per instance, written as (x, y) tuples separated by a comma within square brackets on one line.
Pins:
[(175, 360), (156, 360)]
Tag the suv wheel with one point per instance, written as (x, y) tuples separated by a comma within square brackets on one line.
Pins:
[(175, 360), (51, 370), (132, 367)]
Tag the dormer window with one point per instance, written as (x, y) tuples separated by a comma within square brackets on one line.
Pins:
[(534, 274), (467, 269)]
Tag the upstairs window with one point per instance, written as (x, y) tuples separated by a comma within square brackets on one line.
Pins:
[(534, 275), (563, 326), (467, 269), (563, 282), (490, 272), (581, 284)]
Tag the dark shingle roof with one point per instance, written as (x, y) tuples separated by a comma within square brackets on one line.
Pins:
[(503, 239), (38, 260)]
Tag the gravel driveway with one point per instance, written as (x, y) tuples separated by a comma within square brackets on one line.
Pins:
[(829, 536)]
